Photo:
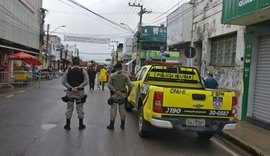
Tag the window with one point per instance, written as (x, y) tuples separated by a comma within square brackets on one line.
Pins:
[(142, 73), (223, 51), (139, 75)]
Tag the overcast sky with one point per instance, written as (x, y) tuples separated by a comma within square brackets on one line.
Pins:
[(80, 22)]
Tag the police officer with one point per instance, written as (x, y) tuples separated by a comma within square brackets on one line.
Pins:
[(75, 79), (117, 84)]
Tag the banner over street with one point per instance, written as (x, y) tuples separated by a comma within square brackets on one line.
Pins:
[(86, 39)]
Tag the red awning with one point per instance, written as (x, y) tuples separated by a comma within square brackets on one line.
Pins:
[(30, 59)]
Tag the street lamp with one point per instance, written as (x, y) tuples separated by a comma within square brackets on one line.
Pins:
[(127, 27), (57, 28), (47, 40)]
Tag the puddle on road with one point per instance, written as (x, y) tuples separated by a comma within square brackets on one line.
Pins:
[(48, 126)]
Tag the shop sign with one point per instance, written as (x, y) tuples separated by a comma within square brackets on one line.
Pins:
[(155, 54), (244, 2)]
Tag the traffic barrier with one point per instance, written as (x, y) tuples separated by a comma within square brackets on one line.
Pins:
[(29, 78), (5, 79)]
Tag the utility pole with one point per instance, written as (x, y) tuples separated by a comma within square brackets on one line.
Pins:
[(47, 43), (142, 11), (116, 51), (65, 59)]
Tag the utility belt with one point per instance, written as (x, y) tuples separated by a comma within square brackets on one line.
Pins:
[(121, 99), (112, 100), (78, 89), (78, 101)]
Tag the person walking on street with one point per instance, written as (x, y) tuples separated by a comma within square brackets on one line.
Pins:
[(117, 84), (210, 82), (102, 78), (75, 79), (92, 77)]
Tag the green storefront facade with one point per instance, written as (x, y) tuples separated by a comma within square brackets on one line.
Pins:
[(153, 41), (254, 14)]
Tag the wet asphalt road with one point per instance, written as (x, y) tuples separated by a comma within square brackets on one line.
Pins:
[(32, 125)]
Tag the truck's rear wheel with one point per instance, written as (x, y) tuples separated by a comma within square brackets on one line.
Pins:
[(143, 125), (205, 135)]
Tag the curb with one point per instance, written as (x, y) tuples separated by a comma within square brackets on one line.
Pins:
[(245, 146)]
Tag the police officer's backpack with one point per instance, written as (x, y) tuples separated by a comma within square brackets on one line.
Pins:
[(75, 76)]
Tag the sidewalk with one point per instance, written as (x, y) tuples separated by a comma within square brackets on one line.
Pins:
[(251, 138)]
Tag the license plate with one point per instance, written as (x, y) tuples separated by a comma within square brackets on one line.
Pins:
[(195, 122)]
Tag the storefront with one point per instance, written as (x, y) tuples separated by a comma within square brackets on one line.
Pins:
[(166, 56), (254, 14)]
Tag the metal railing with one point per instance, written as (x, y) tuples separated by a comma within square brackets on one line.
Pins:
[(29, 78)]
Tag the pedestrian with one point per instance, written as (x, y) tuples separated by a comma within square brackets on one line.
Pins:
[(92, 77), (210, 82), (75, 79), (117, 84), (102, 78)]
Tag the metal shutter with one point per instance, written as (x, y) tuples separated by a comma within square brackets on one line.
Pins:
[(261, 101)]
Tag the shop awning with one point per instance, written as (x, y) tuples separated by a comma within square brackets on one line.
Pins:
[(30, 59)]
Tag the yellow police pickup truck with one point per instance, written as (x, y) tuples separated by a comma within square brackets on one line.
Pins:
[(174, 97)]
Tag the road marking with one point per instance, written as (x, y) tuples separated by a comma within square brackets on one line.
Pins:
[(9, 96), (21, 91), (48, 126)]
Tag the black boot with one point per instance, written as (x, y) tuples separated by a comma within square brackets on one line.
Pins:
[(81, 125), (67, 126), (111, 125), (122, 126)]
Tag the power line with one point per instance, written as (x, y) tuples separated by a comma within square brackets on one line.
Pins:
[(180, 14), (172, 8), (164, 5), (174, 16), (108, 20), (113, 26), (128, 19), (124, 14)]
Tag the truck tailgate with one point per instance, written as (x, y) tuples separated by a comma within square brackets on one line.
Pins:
[(197, 102)]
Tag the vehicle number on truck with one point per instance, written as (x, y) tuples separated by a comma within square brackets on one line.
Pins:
[(172, 110), (218, 113)]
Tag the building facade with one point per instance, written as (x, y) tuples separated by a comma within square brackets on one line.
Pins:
[(219, 47), (254, 14), (21, 24), (54, 52)]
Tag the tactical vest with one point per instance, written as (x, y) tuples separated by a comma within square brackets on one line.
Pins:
[(75, 76)]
